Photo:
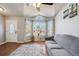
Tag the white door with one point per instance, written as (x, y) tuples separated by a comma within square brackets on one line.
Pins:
[(11, 30)]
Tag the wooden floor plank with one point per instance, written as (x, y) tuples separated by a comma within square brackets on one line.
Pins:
[(7, 48)]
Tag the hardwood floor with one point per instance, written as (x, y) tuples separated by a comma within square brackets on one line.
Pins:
[(9, 47)]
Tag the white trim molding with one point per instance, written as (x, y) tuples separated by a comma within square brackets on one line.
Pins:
[(2, 43), (19, 42)]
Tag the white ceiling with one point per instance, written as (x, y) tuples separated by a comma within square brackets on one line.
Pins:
[(18, 9)]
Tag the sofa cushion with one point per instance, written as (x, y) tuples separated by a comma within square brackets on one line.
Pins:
[(59, 52), (54, 46)]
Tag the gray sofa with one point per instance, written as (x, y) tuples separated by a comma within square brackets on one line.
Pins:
[(69, 45), (54, 49)]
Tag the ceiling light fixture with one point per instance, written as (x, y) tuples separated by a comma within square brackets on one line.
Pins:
[(37, 5), (1, 9)]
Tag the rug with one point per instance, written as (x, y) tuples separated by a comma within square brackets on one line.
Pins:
[(29, 50)]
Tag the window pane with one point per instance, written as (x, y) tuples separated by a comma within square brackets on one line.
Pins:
[(50, 28), (39, 27), (28, 28)]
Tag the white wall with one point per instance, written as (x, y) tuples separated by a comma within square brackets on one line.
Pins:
[(2, 38), (68, 26), (21, 28)]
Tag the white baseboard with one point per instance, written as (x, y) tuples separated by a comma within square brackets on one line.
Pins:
[(7, 41), (2, 43), (10, 41), (19, 42)]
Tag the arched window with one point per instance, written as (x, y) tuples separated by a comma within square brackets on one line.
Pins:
[(39, 18)]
